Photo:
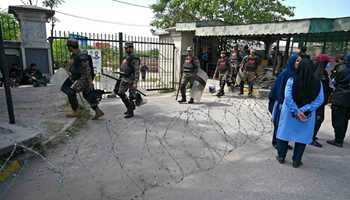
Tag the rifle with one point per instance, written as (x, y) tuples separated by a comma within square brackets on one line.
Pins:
[(118, 79)]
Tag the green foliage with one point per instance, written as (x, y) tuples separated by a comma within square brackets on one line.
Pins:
[(52, 3), (60, 53), (110, 58), (154, 53), (10, 26), (169, 12)]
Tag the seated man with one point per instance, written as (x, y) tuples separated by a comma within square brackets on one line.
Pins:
[(32, 75), (15, 75)]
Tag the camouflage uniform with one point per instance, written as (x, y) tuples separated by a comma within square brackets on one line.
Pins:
[(129, 78), (190, 68), (223, 71), (235, 61), (247, 72), (80, 78)]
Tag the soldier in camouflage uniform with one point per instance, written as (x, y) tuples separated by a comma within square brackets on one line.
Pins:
[(79, 80), (129, 78), (248, 72), (235, 61), (223, 72), (189, 70)]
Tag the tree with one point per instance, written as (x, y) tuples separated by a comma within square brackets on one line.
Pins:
[(29, 2), (52, 4), (10, 26), (169, 12)]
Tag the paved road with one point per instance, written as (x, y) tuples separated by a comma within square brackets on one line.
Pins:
[(219, 149)]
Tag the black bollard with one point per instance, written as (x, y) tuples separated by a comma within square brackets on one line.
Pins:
[(5, 74)]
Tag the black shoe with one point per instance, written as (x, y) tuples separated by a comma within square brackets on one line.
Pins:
[(129, 114), (182, 101), (334, 143), (297, 164), (241, 91), (280, 160), (191, 101), (316, 144), (290, 147), (220, 94)]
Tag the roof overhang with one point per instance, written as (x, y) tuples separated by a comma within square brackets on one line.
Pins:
[(285, 28)]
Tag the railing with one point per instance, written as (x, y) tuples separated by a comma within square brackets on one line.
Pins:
[(108, 49)]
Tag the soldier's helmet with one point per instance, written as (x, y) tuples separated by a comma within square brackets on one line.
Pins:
[(72, 42), (189, 48), (129, 45)]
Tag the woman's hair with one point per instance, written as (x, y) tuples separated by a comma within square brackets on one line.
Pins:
[(306, 86)]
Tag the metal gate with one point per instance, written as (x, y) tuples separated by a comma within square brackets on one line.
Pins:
[(157, 57)]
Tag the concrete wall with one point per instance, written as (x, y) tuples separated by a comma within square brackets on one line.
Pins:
[(181, 41)]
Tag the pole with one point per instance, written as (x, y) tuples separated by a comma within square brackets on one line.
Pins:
[(276, 57), (121, 50), (174, 67), (286, 51), (5, 75)]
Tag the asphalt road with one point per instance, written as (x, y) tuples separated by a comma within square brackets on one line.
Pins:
[(218, 149)]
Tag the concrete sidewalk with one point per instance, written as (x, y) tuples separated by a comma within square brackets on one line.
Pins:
[(39, 114)]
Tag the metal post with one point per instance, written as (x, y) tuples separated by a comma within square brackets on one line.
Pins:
[(5, 75), (276, 57), (292, 46), (173, 67), (51, 54), (121, 50), (286, 51)]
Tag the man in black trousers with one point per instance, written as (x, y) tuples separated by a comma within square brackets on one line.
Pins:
[(341, 102)]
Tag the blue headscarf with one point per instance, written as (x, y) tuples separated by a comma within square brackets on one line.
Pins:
[(277, 91)]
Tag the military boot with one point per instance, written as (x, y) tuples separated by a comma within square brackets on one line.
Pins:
[(191, 101), (129, 113), (98, 113), (220, 93), (241, 90), (132, 107), (182, 100), (250, 90)]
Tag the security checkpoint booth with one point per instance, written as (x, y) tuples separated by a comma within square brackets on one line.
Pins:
[(319, 35)]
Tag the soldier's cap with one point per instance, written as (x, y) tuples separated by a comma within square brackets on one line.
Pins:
[(189, 48), (129, 45), (72, 42)]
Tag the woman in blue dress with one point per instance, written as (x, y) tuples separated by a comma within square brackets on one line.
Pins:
[(276, 96), (303, 95)]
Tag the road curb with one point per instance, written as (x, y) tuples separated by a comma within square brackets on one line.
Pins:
[(56, 138)]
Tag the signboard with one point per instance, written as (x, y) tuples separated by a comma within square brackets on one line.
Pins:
[(96, 59)]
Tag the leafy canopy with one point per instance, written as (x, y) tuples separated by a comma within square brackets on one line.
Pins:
[(169, 12)]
